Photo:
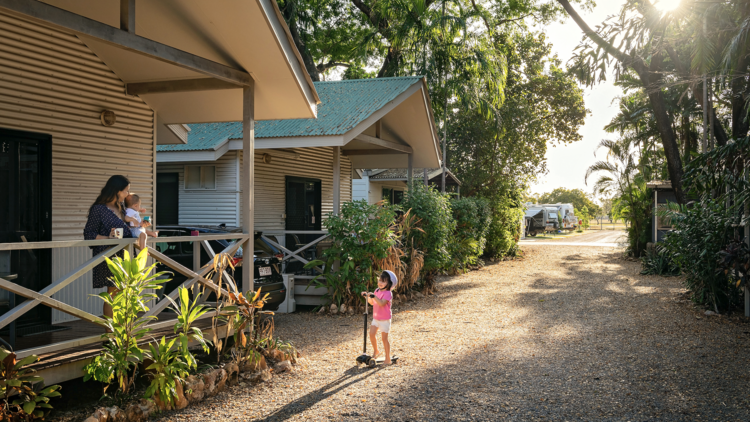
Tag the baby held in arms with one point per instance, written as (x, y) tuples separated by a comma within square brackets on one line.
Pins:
[(133, 217)]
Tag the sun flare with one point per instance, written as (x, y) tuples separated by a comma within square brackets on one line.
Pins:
[(667, 5)]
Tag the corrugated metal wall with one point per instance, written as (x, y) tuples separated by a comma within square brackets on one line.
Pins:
[(270, 188), (202, 207), (208, 207), (50, 82)]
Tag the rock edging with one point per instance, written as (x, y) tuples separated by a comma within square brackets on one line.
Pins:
[(195, 389)]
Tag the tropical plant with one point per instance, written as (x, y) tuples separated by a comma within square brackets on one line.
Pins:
[(657, 261), (121, 353), (187, 313), (166, 371), (361, 235), (240, 316), (622, 175), (734, 259), (403, 258), (699, 235), (24, 395), (237, 309)]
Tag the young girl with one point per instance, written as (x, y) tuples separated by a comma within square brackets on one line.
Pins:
[(380, 300)]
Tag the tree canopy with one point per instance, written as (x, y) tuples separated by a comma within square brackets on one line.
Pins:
[(498, 94)]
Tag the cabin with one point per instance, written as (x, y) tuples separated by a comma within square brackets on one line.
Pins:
[(303, 167), (663, 193), (89, 90), (374, 185)]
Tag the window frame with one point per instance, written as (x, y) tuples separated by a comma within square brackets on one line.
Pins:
[(201, 177)]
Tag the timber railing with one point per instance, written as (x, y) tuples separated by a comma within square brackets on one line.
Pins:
[(44, 297), (296, 254)]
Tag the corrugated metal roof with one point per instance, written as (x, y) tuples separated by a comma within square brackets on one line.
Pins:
[(344, 105), (206, 136)]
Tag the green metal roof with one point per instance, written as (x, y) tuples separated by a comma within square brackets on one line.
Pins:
[(344, 105)]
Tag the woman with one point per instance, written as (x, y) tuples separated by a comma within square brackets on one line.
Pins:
[(106, 215)]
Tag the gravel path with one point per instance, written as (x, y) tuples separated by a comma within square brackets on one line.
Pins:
[(565, 334)]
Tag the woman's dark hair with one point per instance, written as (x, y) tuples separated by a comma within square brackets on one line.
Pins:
[(109, 192), (387, 278)]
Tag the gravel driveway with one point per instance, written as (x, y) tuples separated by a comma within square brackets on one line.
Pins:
[(567, 333)]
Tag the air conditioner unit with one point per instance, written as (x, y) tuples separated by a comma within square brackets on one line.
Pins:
[(288, 305)]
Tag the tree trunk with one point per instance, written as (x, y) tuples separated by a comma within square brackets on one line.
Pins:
[(656, 98), (740, 124), (390, 64)]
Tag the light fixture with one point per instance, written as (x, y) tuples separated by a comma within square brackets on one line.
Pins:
[(108, 118), (667, 5), (266, 158)]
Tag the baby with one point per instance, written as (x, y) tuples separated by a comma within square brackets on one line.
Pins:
[(133, 216)]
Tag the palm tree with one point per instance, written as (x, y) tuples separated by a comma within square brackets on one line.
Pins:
[(622, 176)]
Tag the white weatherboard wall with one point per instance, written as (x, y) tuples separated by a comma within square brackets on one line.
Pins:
[(204, 206), (51, 83), (222, 206), (360, 188)]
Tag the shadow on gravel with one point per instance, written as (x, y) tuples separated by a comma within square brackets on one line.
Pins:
[(302, 404), (590, 346)]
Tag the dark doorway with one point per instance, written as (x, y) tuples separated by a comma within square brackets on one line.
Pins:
[(25, 216), (168, 202), (303, 208)]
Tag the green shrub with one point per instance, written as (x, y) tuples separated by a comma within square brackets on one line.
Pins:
[(473, 218), (361, 234), (504, 228), (700, 233), (437, 223)]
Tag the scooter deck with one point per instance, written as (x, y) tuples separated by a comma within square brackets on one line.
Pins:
[(381, 359)]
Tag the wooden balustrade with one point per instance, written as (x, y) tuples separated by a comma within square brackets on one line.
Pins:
[(44, 297)]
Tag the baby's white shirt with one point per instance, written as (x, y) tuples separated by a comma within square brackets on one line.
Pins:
[(133, 214)]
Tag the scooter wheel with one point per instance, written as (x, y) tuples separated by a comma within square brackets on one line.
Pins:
[(371, 363)]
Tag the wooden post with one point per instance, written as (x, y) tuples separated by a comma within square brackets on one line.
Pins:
[(426, 180), (409, 169), (247, 200), (127, 16), (336, 180)]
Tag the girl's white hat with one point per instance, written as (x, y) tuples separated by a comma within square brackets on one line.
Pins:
[(394, 279)]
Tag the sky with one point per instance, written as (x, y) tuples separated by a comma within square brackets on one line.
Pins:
[(567, 164)]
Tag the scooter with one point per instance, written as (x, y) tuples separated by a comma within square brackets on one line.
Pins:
[(364, 358)]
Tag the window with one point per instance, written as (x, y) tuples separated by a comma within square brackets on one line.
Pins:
[(388, 194), (662, 223), (393, 196), (200, 177)]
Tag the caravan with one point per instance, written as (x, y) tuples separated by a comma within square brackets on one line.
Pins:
[(549, 218), (566, 215)]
